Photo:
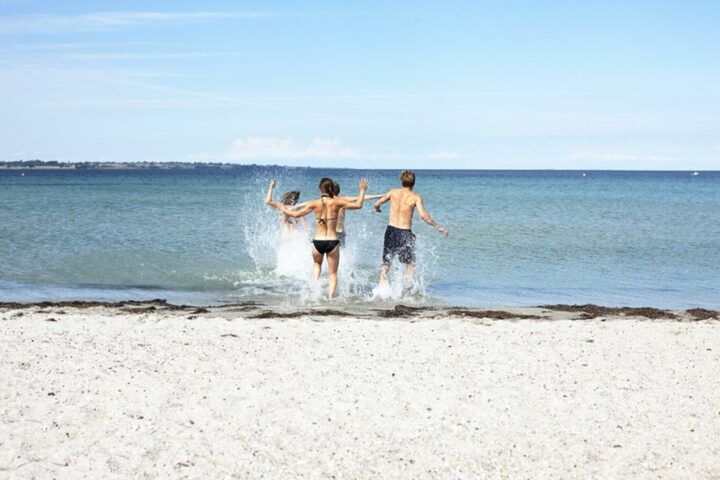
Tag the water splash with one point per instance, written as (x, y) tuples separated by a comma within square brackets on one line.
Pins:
[(283, 261)]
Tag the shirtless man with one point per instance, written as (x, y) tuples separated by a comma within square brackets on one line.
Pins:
[(399, 239)]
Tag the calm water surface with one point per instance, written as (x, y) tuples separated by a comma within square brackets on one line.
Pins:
[(517, 238)]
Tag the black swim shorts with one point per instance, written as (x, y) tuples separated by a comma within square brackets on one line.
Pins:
[(400, 242)]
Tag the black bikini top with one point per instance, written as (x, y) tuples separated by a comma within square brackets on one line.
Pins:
[(325, 220)]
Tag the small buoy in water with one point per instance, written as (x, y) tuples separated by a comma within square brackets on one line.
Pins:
[(22, 174), (584, 174), (695, 174)]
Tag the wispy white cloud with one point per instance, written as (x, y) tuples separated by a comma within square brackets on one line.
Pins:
[(52, 46), (147, 56), (273, 148), (291, 150), (99, 21)]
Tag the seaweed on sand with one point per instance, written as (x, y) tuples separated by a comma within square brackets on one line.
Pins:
[(703, 314), (301, 313), (493, 314), (593, 311)]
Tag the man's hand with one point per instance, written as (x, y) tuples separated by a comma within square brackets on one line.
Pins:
[(380, 201), (272, 183), (442, 230), (363, 184)]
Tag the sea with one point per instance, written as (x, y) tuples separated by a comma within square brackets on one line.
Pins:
[(517, 238)]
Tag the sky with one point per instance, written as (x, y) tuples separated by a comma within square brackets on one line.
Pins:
[(476, 84)]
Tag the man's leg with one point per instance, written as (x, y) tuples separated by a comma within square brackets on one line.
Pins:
[(409, 271), (333, 262), (387, 257), (407, 256), (383, 274)]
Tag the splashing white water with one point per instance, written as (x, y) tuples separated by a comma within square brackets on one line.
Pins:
[(283, 261)]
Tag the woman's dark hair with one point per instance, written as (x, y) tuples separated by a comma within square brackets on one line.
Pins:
[(326, 187), (291, 198), (336, 188)]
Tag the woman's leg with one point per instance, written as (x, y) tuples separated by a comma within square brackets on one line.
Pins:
[(317, 263), (333, 263)]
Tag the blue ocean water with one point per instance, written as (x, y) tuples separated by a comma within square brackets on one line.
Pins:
[(517, 237)]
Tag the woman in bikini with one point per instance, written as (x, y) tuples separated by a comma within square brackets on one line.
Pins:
[(325, 242), (340, 223)]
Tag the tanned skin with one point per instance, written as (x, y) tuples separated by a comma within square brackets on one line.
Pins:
[(324, 208), (340, 225), (403, 202)]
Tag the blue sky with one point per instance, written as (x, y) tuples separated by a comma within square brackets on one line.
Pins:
[(496, 84)]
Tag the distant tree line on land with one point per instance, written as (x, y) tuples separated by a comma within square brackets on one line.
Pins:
[(53, 164)]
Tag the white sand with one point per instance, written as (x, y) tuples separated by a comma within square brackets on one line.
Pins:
[(157, 395)]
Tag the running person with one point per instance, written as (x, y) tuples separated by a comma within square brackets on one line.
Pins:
[(399, 239), (289, 224), (340, 227), (325, 242)]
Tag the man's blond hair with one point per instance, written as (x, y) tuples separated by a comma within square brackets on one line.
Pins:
[(407, 179)]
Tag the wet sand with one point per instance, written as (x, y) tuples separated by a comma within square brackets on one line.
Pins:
[(148, 389)]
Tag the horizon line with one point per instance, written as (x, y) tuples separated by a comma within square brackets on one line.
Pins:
[(226, 164)]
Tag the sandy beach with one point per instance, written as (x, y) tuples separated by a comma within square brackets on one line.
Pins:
[(155, 391)]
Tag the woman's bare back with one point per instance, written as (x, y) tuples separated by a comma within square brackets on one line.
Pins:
[(327, 214)]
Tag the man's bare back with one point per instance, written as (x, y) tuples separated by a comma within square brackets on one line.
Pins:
[(402, 207), (399, 239)]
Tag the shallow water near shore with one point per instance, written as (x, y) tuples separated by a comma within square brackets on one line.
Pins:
[(517, 238)]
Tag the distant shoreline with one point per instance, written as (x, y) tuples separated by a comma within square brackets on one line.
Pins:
[(51, 165), (84, 166)]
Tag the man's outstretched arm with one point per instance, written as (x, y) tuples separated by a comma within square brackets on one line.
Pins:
[(367, 197), (383, 199), (425, 216)]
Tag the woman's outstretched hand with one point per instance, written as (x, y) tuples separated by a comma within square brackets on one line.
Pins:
[(268, 197), (363, 184)]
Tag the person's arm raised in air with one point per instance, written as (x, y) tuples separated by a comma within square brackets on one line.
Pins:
[(268, 197), (383, 199), (358, 202), (425, 216)]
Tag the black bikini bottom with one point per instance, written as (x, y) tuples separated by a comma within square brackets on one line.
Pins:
[(325, 246)]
